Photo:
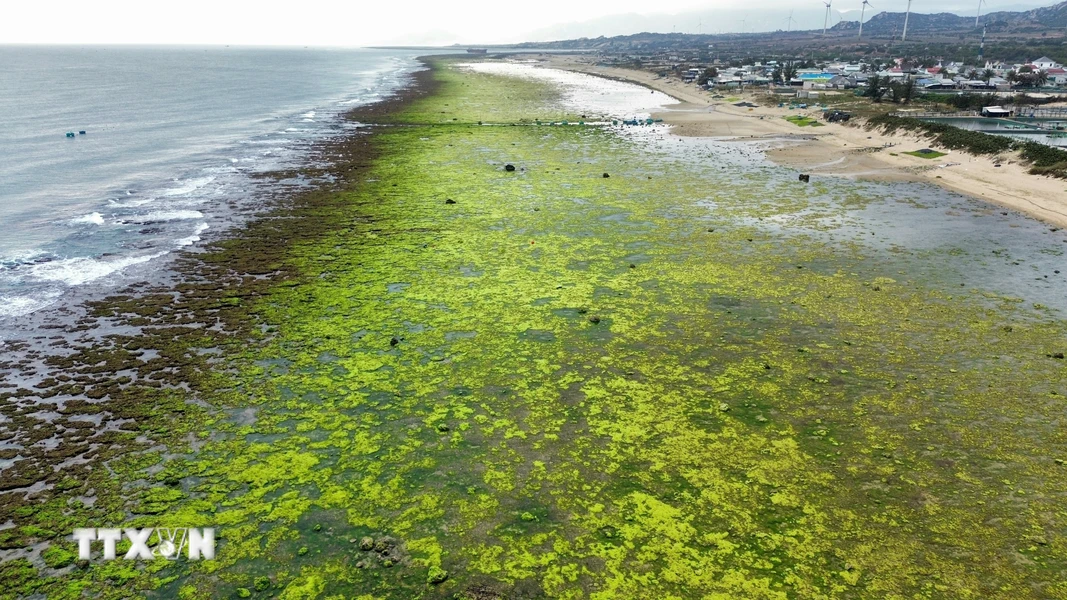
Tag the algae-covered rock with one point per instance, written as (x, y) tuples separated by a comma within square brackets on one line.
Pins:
[(436, 575), (366, 544)]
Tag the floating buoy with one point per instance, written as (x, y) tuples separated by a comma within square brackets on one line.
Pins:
[(82, 132), (70, 134)]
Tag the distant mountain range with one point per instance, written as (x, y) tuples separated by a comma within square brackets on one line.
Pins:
[(890, 23), (1001, 24)]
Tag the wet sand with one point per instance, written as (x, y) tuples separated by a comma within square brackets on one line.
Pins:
[(841, 150)]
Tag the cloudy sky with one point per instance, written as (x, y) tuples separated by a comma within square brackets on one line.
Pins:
[(363, 23)]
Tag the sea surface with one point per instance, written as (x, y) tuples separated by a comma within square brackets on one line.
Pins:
[(171, 137)]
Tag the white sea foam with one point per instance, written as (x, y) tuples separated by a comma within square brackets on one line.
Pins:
[(16, 306), (76, 271), (22, 256), (189, 186), (131, 203), (165, 215), (189, 241), (89, 219)]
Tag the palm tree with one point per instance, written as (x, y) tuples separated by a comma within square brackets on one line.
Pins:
[(972, 74), (790, 71), (988, 75), (1011, 77), (875, 88), (1040, 78)]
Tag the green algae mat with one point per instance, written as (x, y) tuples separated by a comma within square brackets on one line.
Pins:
[(670, 382)]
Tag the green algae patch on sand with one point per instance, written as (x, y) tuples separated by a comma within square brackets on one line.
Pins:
[(564, 385), (803, 121), (927, 154)]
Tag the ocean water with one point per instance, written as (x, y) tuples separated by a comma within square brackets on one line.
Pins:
[(172, 136)]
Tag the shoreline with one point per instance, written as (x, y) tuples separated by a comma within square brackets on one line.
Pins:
[(131, 361), (838, 150)]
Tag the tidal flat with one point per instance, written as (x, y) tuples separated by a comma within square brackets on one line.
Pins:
[(633, 367)]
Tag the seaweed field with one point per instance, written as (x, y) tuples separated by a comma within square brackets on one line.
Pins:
[(632, 366)]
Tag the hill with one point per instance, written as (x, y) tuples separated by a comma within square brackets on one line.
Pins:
[(892, 23)]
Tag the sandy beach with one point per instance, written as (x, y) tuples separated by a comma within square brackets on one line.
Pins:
[(839, 150)]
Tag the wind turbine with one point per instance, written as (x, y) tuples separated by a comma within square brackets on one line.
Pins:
[(742, 25), (863, 8), (979, 13), (826, 19), (904, 35), (789, 21)]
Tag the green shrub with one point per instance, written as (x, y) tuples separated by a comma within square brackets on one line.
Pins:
[(1041, 155), (945, 135)]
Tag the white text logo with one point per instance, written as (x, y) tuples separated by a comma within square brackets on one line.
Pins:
[(149, 543)]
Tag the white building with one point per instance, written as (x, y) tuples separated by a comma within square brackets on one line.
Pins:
[(1045, 63)]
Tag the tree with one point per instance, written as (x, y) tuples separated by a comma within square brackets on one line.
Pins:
[(708, 74), (908, 90), (1011, 76), (988, 75), (789, 71), (902, 91), (776, 75), (875, 88), (972, 74), (1040, 78)]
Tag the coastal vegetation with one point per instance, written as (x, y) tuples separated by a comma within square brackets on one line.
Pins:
[(1043, 159), (944, 135), (581, 377)]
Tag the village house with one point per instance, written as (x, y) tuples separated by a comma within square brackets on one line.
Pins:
[(1045, 63)]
